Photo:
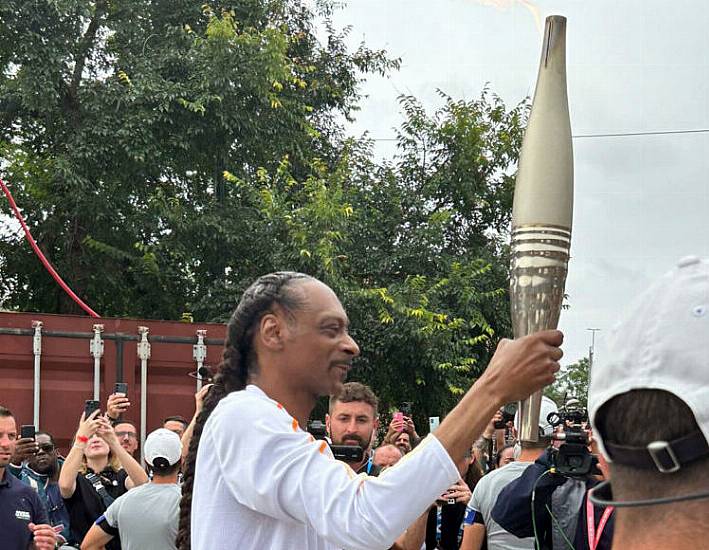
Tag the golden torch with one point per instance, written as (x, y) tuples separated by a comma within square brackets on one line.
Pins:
[(542, 208)]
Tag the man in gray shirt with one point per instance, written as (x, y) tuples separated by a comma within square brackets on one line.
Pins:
[(147, 516), (479, 526)]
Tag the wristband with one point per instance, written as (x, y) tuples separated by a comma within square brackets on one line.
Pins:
[(82, 439)]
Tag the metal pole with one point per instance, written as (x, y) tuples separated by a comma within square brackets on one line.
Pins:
[(96, 349), (592, 347), (37, 350), (199, 352), (143, 355)]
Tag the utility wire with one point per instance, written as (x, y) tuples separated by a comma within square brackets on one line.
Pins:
[(619, 134), (656, 133)]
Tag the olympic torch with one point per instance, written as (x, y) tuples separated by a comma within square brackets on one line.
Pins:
[(542, 209)]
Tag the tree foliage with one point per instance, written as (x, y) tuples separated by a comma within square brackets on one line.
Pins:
[(166, 153), (571, 383)]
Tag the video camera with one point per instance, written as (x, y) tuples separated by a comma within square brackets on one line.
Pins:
[(345, 453), (572, 458)]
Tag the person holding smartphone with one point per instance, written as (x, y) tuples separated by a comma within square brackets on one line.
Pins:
[(23, 518), (96, 471), (36, 462)]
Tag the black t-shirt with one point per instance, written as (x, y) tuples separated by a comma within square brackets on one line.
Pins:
[(19, 505), (451, 519), (86, 505)]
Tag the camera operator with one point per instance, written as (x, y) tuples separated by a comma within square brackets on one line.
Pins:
[(480, 525), (557, 494), (649, 405)]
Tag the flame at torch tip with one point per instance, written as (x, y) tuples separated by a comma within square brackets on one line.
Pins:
[(507, 4)]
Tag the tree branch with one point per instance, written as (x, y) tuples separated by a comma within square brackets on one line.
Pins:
[(85, 45)]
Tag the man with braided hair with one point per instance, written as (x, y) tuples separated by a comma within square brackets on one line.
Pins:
[(255, 479)]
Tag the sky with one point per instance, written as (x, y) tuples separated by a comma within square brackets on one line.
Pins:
[(641, 202)]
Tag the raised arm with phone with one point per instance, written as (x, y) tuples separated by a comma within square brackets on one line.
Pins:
[(96, 471)]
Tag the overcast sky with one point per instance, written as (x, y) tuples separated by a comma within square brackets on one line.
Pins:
[(641, 202)]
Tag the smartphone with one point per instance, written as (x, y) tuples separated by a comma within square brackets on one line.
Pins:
[(122, 388), (90, 406), (398, 416), (27, 431), (406, 408), (433, 422)]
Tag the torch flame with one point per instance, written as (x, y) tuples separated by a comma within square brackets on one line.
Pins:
[(507, 4)]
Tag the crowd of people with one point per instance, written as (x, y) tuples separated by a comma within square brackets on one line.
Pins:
[(245, 472)]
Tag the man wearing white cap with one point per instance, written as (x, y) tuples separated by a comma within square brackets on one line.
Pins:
[(147, 516), (649, 404)]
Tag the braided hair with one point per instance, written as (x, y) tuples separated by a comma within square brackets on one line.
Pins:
[(238, 361)]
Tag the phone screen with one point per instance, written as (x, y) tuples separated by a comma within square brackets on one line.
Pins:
[(121, 387), (90, 406), (27, 431)]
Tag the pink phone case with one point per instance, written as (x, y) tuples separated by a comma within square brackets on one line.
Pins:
[(399, 416)]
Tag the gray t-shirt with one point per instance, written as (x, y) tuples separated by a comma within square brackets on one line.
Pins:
[(483, 500), (146, 517)]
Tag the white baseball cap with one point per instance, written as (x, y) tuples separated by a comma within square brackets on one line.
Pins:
[(164, 444), (661, 343)]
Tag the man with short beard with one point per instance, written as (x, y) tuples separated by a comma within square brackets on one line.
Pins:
[(353, 420), (23, 518), (36, 463)]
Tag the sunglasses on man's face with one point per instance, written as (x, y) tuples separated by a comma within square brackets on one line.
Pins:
[(129, 435), (46, 447)]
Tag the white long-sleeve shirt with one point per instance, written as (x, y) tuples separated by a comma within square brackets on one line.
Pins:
[(264, 483)]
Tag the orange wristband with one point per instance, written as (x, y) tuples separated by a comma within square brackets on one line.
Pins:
[(82, 439)]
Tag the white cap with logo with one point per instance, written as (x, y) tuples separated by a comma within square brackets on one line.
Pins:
[(661, 343), (163, 444)]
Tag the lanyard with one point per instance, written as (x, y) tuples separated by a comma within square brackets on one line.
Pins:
[(593, 537)]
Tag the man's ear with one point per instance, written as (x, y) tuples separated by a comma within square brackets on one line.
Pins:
[(376, 424), (327, 424), (271, 331)]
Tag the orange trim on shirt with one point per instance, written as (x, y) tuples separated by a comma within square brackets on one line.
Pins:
[(295, 425)]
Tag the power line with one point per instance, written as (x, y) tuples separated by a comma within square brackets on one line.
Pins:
[(655, 133), (619, 134)]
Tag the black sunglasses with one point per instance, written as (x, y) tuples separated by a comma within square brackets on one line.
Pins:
[(46, 447)]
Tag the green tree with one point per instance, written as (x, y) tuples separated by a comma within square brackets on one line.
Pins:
[(166, 153), (415, 247), (119, 118), (571, 383)]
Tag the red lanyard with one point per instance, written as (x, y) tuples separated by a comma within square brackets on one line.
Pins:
[(593, 537)]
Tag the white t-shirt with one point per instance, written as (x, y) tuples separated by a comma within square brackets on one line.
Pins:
[(264, 483), (483, 500)]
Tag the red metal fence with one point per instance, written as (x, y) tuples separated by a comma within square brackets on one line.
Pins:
[(58, 354)]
